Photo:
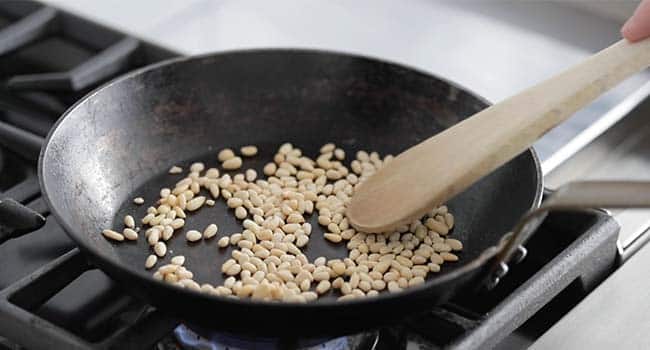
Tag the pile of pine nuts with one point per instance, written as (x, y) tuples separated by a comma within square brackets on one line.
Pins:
[(267, 262)]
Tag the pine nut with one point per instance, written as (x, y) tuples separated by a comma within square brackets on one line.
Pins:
[(151, 261), (223, 242), (449, 256), (323, 286), (195, 203), (441, 247), (154, 236), (449, 220), (130, 234), (138, 200), (183, 273), (248, 151), (129, 221), (225, 154), (165, 192), (339, 154), (415, 281), (197, 167), (234, 202), (177, 223), (454, 244), (175, 170), (251, 175), (240, 212), (193, 235), (334, 238), (113, 235), (178, 260), (433, 267), (437, 226), (393, 287), (418, 260), (270, 169), (160, 249), (232, 163), (210, 231), (234, 269), (378, 285), (168, 269), (365, 286)]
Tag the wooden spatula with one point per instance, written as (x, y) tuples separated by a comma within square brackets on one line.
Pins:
[(435, 170)]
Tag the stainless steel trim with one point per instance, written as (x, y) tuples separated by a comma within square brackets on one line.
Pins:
[(596, 129)]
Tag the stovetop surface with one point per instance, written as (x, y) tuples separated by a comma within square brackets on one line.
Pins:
[(94, 308)]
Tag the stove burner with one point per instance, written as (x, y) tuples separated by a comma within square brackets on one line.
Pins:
[(191, 340)]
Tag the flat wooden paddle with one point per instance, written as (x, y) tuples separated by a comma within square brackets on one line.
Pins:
[(444, 165)]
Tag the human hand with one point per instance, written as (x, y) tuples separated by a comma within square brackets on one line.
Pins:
[(638, 26)]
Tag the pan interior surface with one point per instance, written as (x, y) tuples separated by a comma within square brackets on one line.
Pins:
[(119, 142)]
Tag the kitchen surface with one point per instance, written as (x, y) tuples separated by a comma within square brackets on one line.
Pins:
[(579, 269)]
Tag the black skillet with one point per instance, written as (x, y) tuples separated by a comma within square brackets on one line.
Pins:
[(118, 142)]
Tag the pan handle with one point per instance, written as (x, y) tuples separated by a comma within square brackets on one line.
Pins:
[(17, 219), (574, 196)]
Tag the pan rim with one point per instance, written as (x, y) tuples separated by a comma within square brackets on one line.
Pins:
[(411, 292)]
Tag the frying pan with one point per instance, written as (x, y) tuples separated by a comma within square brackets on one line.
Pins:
[(118, 142)]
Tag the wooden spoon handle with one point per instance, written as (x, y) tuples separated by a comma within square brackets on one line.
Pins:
[(444, 165), (520, 120)]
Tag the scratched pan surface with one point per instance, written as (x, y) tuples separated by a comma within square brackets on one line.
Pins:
[(119, 141)]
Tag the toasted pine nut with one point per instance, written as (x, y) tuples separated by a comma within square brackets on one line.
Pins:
[(232, 163), (197, 167), (160, 249), (270, 169), (223, 241), (175, 170), (225, 154), (449, 256), (248, 151), (178, 260), (113, 235), (151, 261), (195, 203), (193, 235), (251, 175), (393, 287), (433, 267), (177, 223), (441, 247), (129, 221), (415, 281), (339, 154), (210, 231), (332, 237), (130, 234), (437, 226), (454, 244)]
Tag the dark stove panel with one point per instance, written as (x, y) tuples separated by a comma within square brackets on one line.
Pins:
[(13, 170)]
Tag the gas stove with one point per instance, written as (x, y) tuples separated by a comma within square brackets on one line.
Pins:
[(51, 297)]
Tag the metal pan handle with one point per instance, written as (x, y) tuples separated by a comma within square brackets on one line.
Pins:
[(575, 196), (17, 219)]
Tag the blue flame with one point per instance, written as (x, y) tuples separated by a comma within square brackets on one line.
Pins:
[(190, 340)]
